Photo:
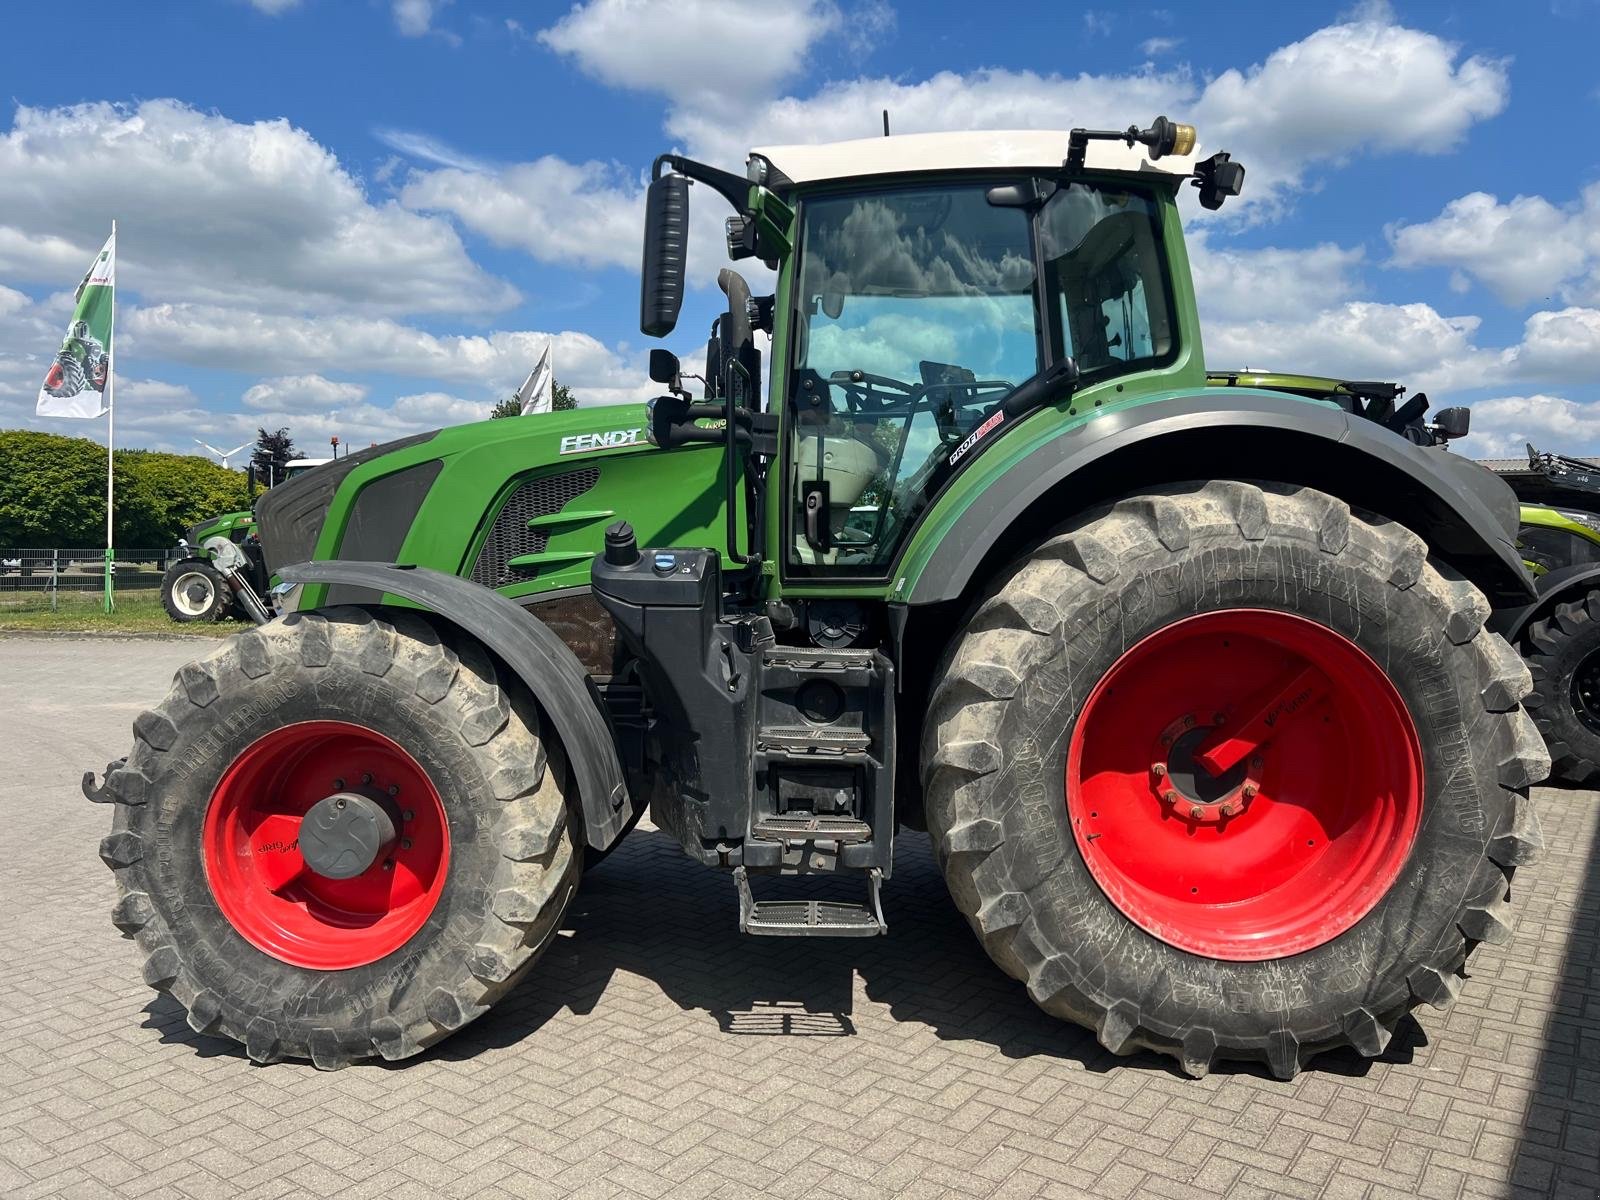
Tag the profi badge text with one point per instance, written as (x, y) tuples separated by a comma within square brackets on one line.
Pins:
[(583, 443)]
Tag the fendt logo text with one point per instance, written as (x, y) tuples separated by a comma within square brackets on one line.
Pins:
[(583, 443)]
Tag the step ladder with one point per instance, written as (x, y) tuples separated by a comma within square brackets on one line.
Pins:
[(811, 918)]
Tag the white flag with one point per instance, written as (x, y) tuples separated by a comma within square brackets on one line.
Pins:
[(537, 393), (78, 381)]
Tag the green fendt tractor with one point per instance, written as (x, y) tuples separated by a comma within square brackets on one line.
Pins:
[(1560, 632), (193, 589), (217, 579), (1189, 685)]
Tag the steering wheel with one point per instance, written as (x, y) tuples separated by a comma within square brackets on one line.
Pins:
[(864, 392)]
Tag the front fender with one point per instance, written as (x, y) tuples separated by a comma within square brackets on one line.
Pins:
[(1467, 515), (536, 655)]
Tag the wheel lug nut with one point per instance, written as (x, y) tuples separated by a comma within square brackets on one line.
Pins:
[(1255, 763), (405, 843), (394, 789), (1158, 769), (408, 815), (339, 803), (366, 777), (1197, 812), (338, 785), (1248, 791), (1170, 797)]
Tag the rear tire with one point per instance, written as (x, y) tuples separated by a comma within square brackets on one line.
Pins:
[(231, 944), (192, 590), (1563, 655), (1005, 712)]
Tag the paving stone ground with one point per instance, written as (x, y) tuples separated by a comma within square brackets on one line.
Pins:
[(656, 1052)]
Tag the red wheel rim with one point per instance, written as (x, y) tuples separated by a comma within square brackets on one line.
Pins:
[(250, 844), (1244, 784)]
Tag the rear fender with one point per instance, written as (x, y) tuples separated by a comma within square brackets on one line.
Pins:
[(550, 671), (1466, 514)]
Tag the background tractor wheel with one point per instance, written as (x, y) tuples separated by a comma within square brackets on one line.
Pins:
[(193, 590), (338, 837), (1563, 654), (1228, 772)]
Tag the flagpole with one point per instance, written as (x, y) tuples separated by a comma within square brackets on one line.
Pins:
[(111, 423)]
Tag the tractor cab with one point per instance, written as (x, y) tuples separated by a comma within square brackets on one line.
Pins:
[(932, 290)]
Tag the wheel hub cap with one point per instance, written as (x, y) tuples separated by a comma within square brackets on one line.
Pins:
[(343, 834), (1244, 784), (326, 845)]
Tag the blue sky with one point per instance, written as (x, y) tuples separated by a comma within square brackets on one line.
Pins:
[(367, 217)]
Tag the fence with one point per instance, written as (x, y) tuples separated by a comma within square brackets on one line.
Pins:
[(33, 580)]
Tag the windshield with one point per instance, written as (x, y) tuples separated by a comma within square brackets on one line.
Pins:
[(918, 311)]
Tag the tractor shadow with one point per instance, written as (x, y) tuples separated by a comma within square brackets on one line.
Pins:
[(650, 914)]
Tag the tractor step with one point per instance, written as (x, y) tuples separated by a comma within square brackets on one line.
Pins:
[(808, 827), (811, 918)]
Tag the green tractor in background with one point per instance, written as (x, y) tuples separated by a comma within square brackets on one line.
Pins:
[(221, 570), (1560, 632), (1189, 684)]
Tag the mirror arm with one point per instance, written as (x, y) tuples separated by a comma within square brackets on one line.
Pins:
[(735, 189)]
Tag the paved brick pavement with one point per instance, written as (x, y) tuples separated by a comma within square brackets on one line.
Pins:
[(658, 1053)]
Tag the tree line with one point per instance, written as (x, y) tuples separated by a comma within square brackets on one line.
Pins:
[(53, 493), (53, 488)]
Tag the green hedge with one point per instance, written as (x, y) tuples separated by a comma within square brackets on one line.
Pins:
[(53, 492)]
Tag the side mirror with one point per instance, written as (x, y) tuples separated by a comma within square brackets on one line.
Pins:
[(666, 246), (833, 295), (664, 366), (1451, 423)]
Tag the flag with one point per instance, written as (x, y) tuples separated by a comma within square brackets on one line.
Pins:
[(78, 383), (537, 393)]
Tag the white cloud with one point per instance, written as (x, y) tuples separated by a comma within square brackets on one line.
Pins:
[(1406, 343), (212, 209), (428, 149), (1506, 424), (414, 18), (588, 214), (1156, 47), (1096, 23), (12, 301), (1273, 283), (1562, 346), (1364, 85), (294, 345), (1523, 250), (274, 8), (302, 394), (695, 51)]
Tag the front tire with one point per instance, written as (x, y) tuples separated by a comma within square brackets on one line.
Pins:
[(1563, 655), (272, 931), (192, 590), (1168, 909)]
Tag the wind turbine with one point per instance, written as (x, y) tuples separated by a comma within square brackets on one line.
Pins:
[(224, 455)]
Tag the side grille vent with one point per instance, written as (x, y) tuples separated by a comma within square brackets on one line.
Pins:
[(510, 536)]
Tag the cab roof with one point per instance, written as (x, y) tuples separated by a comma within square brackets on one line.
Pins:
[(924, 153)]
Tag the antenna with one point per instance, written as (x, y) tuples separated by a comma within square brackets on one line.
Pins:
[(886, 122)]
